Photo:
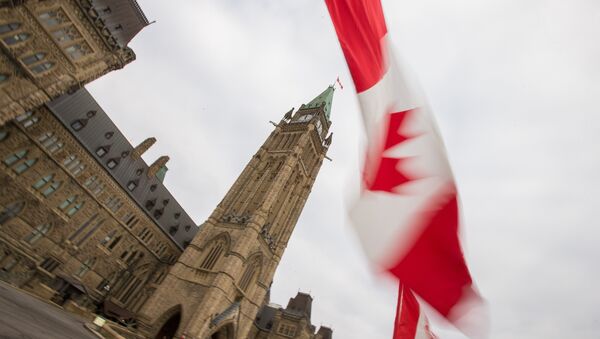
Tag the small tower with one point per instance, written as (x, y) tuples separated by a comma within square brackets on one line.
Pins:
[(218, 284)]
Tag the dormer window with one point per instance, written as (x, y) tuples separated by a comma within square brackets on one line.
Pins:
[(124, 154), (78, 124), (112, 163), (177, 215), (158, 213), (101, 151), (90, 114), (132, 185), (150, 204), (139, 172), (187, 228), (108, 135), (152, 188)]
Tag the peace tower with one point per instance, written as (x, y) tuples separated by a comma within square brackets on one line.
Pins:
[(218, 284)]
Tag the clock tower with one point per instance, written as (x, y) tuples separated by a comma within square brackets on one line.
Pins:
[(218, 284)]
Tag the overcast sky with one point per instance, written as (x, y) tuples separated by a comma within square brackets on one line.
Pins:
[(515, 86)]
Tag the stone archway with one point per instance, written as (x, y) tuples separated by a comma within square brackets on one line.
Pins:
[(170, 324)]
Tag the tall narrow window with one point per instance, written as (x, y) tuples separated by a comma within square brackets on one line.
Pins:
[(27, 119), (249, 274), (77, 51), (38, 232), (41, 68), (51, 188), (13, 158), (16, 38), (52, 18), (33, 58), (212, 255), (18, 161), (86, 266), (9, 27), (42, 182), (101, 151), (63, 205), (112, 163), (74, 209), (10, 211)]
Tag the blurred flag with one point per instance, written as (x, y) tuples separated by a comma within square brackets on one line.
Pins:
[(411, 322), (407, 214)]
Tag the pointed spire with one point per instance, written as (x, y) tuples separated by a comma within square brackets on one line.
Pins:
[(324, 98)]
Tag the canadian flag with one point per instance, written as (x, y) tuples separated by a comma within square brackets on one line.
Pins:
[(407, 214)]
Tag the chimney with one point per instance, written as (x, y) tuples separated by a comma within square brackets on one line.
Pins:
[(143, 147), (157, 166)]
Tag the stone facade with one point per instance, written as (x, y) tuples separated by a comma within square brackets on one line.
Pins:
[(68, 230), (276, 322), (217, 286), (51, 47)]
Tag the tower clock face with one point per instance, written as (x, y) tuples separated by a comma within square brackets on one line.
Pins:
[(319, 127), (305, 118)]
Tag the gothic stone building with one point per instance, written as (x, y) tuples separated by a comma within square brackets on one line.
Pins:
[(276, 322), (50, 47), (85, 222), (83, 219)]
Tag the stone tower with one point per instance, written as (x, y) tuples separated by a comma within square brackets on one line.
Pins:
[(217, 286)]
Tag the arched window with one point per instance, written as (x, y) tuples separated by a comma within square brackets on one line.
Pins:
[(63, 205), (38, 232), (5, 28), (87, 265), (10, 211), (15, 157), (42, 182), (74, 209), (213, 253), (51, 188), (16, 38), (46, 185), (252, 269), (27, 119), (18, 161), (50, 142)]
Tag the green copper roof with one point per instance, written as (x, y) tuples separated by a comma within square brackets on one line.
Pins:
[(325, 97)]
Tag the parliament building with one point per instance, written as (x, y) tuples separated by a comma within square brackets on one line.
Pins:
[(87, 224)]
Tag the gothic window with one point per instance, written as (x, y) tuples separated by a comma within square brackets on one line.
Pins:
[(83, 227), (49, 264), (50, 142), (87, 265), (19, 162), (5, 28), (27, 119), (38, 232), (42, 182), (35, 62), (69, 202), (52, 18), (31, 59), (213, 253), (249, 274), (73, 165), (74, 209), (65, 34), (41, 68), (109, 236), (94, 185), (51, 188), (10, 211), (113, 204), (16, 38)]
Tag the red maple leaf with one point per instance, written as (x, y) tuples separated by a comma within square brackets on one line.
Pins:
[(386, 175)]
